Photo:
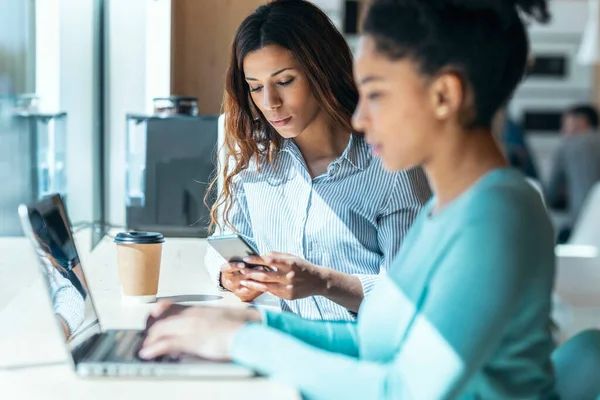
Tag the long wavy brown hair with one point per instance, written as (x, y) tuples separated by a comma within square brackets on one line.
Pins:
[(325, 59)]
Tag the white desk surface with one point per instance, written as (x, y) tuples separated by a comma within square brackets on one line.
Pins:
[(578, 288), (33, 363)]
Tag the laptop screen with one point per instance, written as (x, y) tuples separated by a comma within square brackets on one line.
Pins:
[(53, 240)]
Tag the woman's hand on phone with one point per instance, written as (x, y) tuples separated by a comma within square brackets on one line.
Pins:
[(231, 278), (292, 279)]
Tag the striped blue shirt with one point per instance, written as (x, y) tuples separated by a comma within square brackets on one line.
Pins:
[(352, 218)]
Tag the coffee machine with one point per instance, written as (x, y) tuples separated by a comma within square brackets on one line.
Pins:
[(171, 160)]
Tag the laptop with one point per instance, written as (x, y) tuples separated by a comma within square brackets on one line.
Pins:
[(96, 352)]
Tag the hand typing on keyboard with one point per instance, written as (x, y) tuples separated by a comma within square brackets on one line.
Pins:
[(205, 332), (173, 309)]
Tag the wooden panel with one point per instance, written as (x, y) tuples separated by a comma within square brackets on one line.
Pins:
[(202, 31)]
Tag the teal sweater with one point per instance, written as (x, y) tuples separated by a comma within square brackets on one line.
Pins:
[(463, 313)]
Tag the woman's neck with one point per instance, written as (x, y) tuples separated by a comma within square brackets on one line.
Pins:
[(461, 163), (320, 144)]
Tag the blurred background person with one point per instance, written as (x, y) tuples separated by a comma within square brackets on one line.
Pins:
[(576, 165), (511, 137)]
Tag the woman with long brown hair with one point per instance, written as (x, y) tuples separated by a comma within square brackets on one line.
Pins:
[(300, 185)]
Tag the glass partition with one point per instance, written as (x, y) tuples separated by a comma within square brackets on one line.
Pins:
[(51, 107)]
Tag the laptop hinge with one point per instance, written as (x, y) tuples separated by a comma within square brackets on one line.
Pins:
[(81, 352)]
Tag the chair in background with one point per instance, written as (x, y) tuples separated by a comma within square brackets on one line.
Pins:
[(577, 367), (587, 227), (537, 186)]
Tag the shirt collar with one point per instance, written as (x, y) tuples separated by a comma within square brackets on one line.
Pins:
[(357, 152), (287, 145)]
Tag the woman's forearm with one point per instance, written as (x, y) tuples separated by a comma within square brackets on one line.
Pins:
[(343, 289)]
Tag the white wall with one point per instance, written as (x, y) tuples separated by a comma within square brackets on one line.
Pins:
[(65, 81), (77, 97), (125, 92), (158, 50), (47, 53), (568, 16), (334, 10), (138, 69)]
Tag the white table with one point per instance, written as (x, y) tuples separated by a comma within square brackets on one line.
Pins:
[(578, 288), (33, 364)]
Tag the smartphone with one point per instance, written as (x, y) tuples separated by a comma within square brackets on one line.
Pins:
[(233, 248)]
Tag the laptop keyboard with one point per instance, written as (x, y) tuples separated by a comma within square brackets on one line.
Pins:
[(126, 346), (121, 347)]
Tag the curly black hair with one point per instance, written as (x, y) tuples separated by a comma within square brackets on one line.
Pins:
[(484, 42)]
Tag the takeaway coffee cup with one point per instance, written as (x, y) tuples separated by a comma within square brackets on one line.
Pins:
[(138, 257)]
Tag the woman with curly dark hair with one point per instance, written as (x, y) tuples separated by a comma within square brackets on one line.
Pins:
[(464, 312)]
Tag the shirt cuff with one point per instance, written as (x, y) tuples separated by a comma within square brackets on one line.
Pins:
[(368, 282), (213, 262), (220, 285)]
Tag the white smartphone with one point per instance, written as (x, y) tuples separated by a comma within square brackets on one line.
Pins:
[(233, 248)]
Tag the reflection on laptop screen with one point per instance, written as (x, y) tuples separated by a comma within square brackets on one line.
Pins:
[(71, 301)]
